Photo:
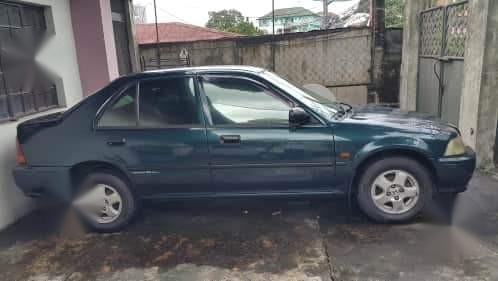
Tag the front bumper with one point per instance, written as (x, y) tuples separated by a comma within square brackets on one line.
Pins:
[(454, 173), (52, 182)]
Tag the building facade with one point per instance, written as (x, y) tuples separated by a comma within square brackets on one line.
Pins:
[(52, 54), (296, 19)]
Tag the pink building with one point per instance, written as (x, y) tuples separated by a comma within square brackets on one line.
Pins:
[(102, 32)]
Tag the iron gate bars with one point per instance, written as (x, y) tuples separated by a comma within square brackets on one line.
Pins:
[(444, 31)]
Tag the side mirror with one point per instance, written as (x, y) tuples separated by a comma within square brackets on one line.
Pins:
[(298, 117)]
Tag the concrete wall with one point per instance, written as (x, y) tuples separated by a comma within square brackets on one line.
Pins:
[(479, 100), (58, 56), (409, 60), (475, 49), (488, 113), (479, 110), (338, 59)]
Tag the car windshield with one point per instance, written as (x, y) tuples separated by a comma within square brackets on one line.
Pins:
[(318, 103)]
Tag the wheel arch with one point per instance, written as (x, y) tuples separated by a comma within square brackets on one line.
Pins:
[(80, 170), (406, 152)]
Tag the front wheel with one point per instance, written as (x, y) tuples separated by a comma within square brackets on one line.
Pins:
[(394, 189), (105, 202)]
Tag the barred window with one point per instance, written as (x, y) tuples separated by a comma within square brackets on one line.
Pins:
[(24, 87)]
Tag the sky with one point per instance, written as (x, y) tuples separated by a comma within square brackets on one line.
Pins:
[(196, 11)]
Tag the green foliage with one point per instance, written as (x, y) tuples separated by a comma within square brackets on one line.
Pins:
[(394, 13), (246, 28), (224, 19), (232, 21)]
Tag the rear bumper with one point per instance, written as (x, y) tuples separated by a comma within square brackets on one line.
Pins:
[(52, 182), (454, 173)]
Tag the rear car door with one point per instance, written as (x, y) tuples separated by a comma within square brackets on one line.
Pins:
[(252, 147), (156, 128)]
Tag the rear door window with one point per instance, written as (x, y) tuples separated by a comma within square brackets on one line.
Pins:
[(168, 102)]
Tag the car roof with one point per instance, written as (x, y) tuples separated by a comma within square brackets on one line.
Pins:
[(198, 69)]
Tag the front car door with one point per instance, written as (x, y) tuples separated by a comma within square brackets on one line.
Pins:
[(155, 126), (253, 149)]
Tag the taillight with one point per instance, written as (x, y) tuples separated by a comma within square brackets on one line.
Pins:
[(21, 160)]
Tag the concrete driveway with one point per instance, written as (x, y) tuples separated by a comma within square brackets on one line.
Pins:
[(262, 240)]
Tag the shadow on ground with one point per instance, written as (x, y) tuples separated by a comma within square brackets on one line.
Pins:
[(261, 240)]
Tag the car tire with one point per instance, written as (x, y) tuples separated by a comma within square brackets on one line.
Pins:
[(380, 200), (118, 199)]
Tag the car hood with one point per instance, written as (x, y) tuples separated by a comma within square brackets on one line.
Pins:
[(399, 119)]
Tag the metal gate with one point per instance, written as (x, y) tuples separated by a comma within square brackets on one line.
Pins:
[(443, 33)]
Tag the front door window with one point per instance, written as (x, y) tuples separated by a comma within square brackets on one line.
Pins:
[(241, 102)]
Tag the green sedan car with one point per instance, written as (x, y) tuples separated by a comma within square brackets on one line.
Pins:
[(234, 131)]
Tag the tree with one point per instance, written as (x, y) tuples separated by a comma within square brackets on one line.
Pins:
[(247, 28), (232, 21), (224, 19), (394, 13)]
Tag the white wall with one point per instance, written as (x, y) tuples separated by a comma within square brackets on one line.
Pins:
[(58, 55)]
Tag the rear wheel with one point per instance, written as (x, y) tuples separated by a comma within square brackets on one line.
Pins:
[(394, 189), (105, 201)]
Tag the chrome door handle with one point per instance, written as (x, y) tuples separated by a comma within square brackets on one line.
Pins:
[(230, 139), (116, 142)]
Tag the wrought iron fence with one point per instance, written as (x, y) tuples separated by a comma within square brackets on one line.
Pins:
[(456, 29), (444, 30), (431, 36), (163, 63)]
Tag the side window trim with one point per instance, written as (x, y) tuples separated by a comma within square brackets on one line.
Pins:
[(206, 114), (204, 77), (198, 100), (110, 101)]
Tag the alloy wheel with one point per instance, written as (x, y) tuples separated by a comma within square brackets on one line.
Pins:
[(101, 203), (395, 191)]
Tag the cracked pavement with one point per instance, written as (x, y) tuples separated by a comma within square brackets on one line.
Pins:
[(262, 240)]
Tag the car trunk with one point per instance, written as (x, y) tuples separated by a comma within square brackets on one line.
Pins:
[(29, 128)]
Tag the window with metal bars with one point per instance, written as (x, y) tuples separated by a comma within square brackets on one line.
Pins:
[(25, 88)]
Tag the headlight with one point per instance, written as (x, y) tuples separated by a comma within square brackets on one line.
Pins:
[(455, 147)]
